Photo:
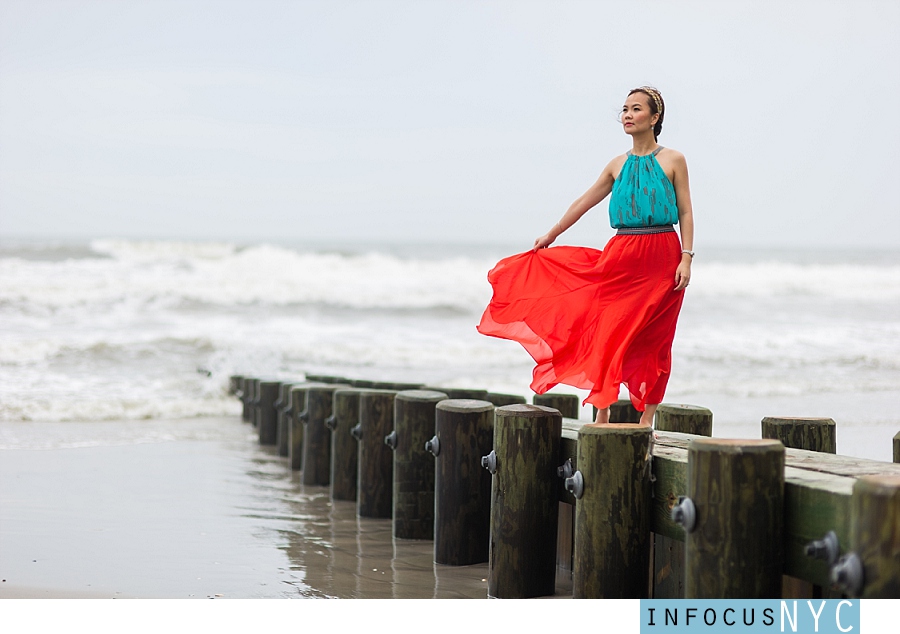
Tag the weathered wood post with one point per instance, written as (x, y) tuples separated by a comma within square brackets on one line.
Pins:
[(413, 499), (622, 411), (252, 384), (524, 501), (668, 553), (374, 487), (295, 425), (268, 394), (812, 434), (283, 409), (256, 407), (875, 537), (897, 447), (499, 400), (326, 378), (316, 436), (462, 509), (458, 393), (245, 398), (344, 448), (734, 547), (684, 419), (567, 404), (397, 387), (612, 514)]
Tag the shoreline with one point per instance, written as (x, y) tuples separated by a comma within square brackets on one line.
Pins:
[(196, 508), (207, 514)]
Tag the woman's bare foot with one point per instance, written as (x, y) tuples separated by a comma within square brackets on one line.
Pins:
[(647, 415), (602, 418)]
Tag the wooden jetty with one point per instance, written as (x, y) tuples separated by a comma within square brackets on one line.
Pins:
[(629, 511)]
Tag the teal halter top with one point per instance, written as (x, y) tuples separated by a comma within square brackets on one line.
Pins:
[(642, 195)]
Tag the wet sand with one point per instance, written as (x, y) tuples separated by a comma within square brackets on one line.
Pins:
[(195, 509)]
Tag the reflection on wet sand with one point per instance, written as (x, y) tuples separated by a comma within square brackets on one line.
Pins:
[(335, 554)]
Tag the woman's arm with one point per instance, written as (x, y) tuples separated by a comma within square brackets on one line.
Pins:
[(595, 193), (685, 220)]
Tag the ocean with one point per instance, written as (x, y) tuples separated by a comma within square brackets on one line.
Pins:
[(130, 330)]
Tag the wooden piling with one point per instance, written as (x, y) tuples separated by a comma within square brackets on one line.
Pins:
[(668, 553), (736, 548), (457, 393), (568, 404), (246, 388), (344, 448), (684, 419), (875, 534), (295, 425), (268, 429), (397, 387), (413, 481), (255, 410), (316, 436), (612, 518), (374, 486), (812, 434), (252, 395), (897, 447), (524, 502), (499, 400), (326, 378), (282, 409), (464, 430)]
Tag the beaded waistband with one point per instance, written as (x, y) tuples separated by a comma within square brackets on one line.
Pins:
[(633, 231)]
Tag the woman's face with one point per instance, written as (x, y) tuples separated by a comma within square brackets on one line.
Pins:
[(636, 114)]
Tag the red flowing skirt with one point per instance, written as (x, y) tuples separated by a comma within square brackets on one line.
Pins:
[(592, 319)]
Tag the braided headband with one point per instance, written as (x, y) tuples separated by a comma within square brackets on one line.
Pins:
[(654, 94)]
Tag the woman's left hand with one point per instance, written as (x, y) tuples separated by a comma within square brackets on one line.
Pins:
[(683, 273)]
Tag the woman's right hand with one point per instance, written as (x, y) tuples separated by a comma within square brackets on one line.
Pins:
[(544, 241)]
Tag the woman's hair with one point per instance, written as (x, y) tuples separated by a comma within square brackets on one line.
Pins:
[(657, 106)]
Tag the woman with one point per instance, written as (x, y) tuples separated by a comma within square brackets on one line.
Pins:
[(598, 319)]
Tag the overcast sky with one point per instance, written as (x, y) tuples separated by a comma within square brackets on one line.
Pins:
[(441, 121)]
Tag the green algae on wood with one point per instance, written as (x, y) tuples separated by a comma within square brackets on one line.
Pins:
[(736, 550), (668, 553), (875, 534), (812, 434), (685, 419)]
